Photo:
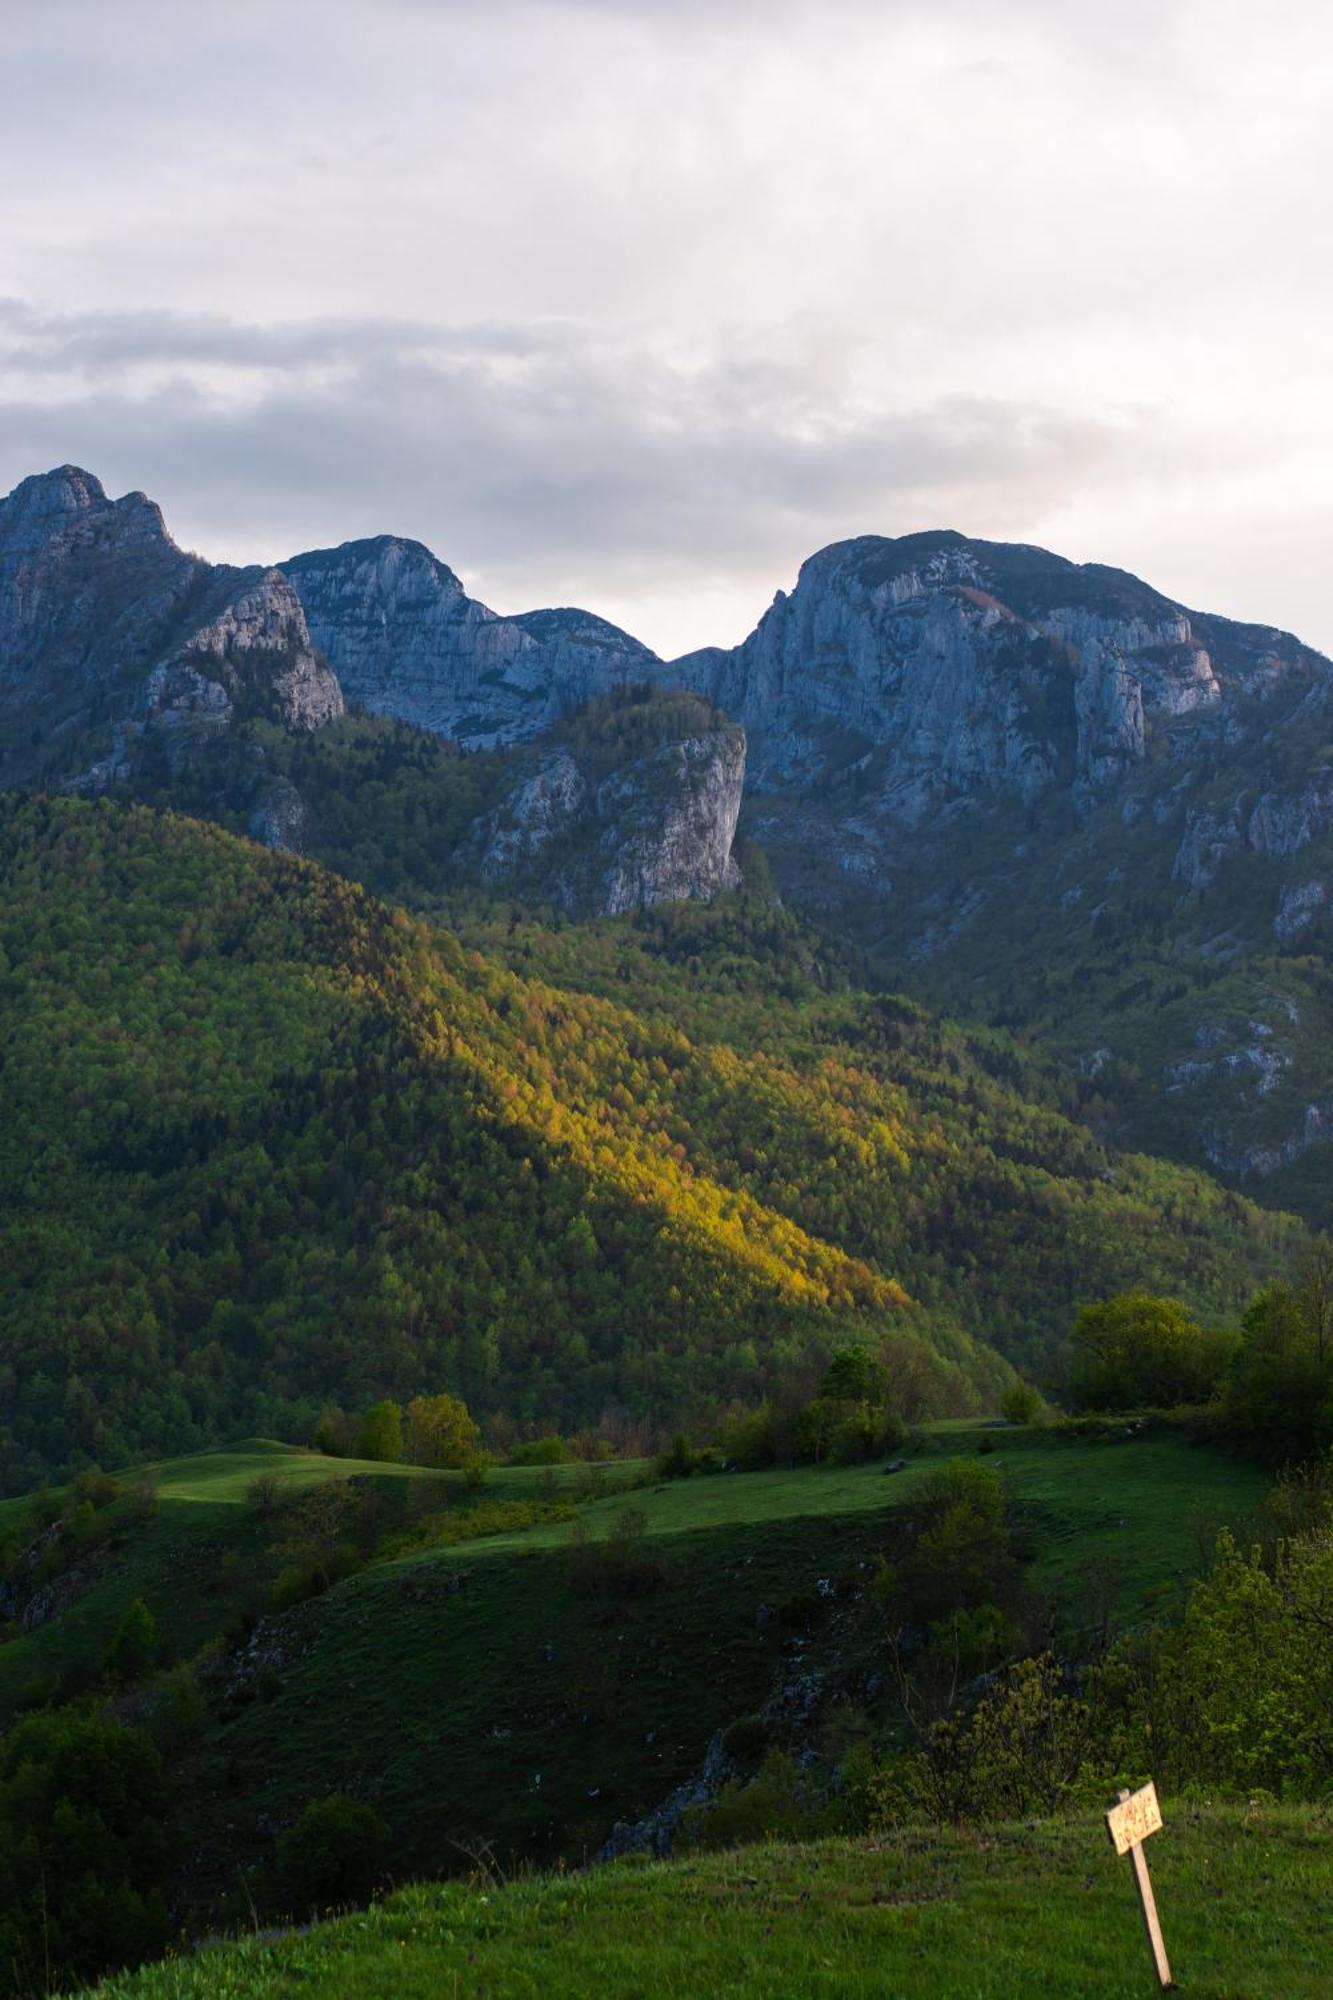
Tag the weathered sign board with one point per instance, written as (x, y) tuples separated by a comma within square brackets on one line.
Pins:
[(1137, 1815), (1129, 1823)]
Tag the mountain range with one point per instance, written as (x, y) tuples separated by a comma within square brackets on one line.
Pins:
[(1032, 792)]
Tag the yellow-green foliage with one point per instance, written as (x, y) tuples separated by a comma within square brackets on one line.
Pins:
[(264, 1141)]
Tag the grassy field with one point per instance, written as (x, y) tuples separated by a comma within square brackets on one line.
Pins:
[(184, 1562), (473, 1692), (1044, 1909), (1141, 1512)]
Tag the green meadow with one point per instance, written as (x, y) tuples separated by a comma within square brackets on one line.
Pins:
[(1015, 1910)]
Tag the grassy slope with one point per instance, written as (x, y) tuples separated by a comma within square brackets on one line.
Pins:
[(472, 1692), (201, 1547), (1038, 1909), (1141, 1512)]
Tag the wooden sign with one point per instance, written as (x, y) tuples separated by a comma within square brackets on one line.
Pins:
[(1129, 1824), (1134, 1818)]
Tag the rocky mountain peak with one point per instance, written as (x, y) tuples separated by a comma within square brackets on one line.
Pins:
[(950, 668), (110, 635), (406, 640), (51, 506), (54, 495)]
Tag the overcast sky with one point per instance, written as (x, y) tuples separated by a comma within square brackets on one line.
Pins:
[(635, 303)]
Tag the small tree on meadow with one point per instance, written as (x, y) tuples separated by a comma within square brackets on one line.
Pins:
[(855, 1376), (1021, 1404), (317, 1530), (441, 1431)]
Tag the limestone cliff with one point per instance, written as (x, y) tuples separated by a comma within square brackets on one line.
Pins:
[(597, 832)]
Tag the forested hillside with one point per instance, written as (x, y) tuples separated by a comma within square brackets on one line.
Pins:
[(265, 1142)]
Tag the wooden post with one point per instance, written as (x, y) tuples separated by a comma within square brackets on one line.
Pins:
[(1129, 1824)]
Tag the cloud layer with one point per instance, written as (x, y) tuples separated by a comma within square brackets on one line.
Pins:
[(636, 305)]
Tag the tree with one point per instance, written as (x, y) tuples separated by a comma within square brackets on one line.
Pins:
[(134, 1648), (83, 1813), (380, 1435), (1135, 1352), (440, 1431), (1315, 1292), (1280, 1384), (317, 1527), (1021, 1404), (855, 1376)]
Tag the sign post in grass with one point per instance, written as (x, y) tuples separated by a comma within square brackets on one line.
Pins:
[(1129, 1823)]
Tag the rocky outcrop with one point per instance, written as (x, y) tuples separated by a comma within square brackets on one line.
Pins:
[(1280, 825), (656, 828), (407, 641), (541, 811), (280, 817), (1230, 1156), (109, 630), (669, 822), (1301, 905)]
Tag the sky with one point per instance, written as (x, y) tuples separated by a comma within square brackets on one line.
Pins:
[(634, 304)]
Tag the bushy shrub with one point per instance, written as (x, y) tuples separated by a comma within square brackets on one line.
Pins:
[(1279, 1388), (778, 1803), (1029, 1749), (957, 1553), (678, 1461), (178, 1710), (98, 1488), (333, 1855), (441, 1431), (747, 1739), (133, 1649), (1135, 1351), (264, 1493), (540, 1451), (1021, 1404), (380, 1433), (749, 1442)]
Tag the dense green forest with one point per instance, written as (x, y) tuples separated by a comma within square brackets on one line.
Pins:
[(266, 1142)]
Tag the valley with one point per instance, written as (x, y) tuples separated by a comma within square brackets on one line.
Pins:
[(528, 1176)]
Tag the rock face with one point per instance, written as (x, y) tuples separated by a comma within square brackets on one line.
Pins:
[(116, 644), (951, 668), (655, 828), (407, 641)]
